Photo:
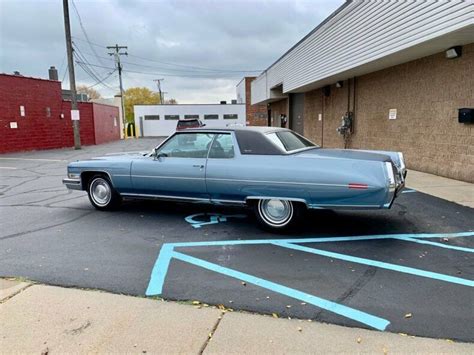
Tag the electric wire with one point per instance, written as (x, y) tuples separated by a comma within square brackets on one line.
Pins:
[(180, 65), (85, 32)]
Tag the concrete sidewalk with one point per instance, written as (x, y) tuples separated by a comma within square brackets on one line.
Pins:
[(45, 320), (448, 189)]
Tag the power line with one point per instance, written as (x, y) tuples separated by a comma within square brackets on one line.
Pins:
[(166, 69), (196, 67), (78, 53), (94, 77), (102, 80), (231, 75), (84, 31), (179, 65)]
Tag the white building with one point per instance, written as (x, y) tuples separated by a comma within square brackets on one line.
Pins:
[(161, 120)]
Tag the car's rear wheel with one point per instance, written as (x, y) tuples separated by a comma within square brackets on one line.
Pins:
[(276, 214), (102, 194)]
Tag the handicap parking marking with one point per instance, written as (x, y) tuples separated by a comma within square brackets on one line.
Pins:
[(214, 218), (363, 317), (168, 252)]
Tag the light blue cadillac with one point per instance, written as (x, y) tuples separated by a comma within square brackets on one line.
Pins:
[(273, 170)]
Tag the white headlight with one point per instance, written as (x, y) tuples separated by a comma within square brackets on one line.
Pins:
[(76, 176)]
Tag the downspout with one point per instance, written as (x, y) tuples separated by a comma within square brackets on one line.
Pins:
[(322, 119)]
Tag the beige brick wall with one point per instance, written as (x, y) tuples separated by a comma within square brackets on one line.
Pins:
[(426, 93), (257, 115), (277, 108)]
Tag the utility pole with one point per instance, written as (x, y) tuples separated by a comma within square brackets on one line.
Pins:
[(158, 83), (116, 52), (72, 78)]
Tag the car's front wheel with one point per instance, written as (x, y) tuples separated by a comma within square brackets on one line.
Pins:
[(102, 194), (277, 215)]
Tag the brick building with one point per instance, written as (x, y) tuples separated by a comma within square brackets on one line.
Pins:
[(256, 115), (401, 69), (34, 116)]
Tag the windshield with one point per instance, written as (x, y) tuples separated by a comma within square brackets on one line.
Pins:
[(289, 141)]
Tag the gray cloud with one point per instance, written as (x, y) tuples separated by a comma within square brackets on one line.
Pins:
[(221, 35)]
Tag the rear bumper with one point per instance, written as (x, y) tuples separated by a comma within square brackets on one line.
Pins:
[(396, 185), (73, 184)]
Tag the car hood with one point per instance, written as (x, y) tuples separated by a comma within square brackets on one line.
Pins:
[(345, 154), (123, 156)]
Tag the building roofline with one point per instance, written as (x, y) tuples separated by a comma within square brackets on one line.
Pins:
[(29, 77), (321, 24), (245, 77), (190, 105)]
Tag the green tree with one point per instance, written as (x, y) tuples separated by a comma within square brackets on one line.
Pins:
[(139, 96)]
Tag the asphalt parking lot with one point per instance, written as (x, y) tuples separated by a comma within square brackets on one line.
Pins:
[(406, 270)]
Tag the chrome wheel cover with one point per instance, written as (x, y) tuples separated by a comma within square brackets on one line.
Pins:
[(100, 192), (276, 213)]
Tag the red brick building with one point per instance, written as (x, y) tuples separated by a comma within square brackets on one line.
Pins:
[(34, 116), (257, 115)]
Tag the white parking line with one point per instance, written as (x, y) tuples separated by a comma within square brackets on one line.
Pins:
[(7, 167), (34, 159)]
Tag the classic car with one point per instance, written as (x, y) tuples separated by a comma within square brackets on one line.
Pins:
[(275, 171)]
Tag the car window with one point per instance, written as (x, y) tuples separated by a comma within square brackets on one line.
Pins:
[(187, 145), (289, 141), (190, 123), (222, 147)]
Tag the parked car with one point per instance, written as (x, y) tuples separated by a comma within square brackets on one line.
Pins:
[(189, 123), (275, 171)]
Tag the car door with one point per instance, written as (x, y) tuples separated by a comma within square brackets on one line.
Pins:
[(223, 172), (177, 170)]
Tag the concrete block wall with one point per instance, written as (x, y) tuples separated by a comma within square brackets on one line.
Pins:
[(36, 129), (46, 123), (106, 123), (426, 93)]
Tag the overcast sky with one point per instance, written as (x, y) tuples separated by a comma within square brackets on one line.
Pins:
[(199, 47)]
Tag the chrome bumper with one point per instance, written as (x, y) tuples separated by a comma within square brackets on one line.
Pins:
[(72, 184), (396, 182)]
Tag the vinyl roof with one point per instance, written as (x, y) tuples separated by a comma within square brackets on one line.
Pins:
[(261, 129)]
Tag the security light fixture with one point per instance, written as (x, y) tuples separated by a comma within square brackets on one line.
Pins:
[(339, 84), (454, 52)]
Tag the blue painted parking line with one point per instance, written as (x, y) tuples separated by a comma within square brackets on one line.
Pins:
[(167, 253), (379, 264), (362, 317), (324, 239), (435, 244)]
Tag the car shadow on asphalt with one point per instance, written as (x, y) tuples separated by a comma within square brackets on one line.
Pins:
[(313, 222)]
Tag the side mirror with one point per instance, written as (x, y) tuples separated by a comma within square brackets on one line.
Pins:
[(160, 156)]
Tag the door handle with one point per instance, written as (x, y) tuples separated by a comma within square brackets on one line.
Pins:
[(198, 166)]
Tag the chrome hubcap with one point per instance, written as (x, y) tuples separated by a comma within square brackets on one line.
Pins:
[(277, 213), (101, 192)]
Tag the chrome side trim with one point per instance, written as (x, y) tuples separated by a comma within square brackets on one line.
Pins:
[(284, 182), (166, 177), (336, 206), (167, 197), (277, 198), (228, 202)]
